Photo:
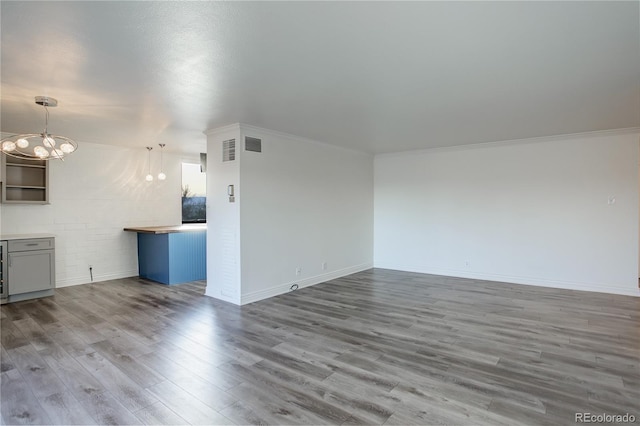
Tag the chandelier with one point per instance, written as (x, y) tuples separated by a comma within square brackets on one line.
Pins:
[(39, 146)]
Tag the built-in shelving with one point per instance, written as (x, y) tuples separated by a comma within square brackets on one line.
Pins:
[(24, 181)]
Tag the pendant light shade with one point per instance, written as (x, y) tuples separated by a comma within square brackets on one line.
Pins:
[(161, 175), (149, 176)]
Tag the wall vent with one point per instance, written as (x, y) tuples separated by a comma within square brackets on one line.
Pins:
[(229, 150), (252, 144)]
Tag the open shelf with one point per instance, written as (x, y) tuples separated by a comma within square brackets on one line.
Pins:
[(24, 181)]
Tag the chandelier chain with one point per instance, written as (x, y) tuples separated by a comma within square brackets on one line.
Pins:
[(46, 120)]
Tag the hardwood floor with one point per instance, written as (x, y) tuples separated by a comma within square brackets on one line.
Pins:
[(377, 347)]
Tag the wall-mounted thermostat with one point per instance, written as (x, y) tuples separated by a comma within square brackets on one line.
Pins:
[(232, 198)]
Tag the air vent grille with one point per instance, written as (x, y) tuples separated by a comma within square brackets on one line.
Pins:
[(252, 144), (229, 150)]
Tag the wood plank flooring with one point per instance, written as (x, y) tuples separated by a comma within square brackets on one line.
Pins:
[(377, 347)]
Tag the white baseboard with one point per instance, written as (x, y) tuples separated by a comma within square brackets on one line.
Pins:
[(305, 282), (540, 282), (217, 294), (68, 282)]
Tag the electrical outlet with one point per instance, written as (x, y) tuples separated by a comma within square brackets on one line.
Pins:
[(298, 270), (324, 266)]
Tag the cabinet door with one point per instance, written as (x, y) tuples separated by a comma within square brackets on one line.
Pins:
[(31, 271)]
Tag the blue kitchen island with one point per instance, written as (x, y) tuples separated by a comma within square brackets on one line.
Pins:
[(172, 254)]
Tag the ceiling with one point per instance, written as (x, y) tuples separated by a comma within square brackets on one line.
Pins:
[(373, 76)]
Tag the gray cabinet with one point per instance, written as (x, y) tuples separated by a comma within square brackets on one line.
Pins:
[(24, 181), (29, 268)]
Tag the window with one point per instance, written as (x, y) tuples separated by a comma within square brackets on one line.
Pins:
[(194, 194)]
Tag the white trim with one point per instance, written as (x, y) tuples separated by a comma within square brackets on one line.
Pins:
[(306, 282), (540, 282), (215, 293), (539, 139), (235, 127), (96, 278)]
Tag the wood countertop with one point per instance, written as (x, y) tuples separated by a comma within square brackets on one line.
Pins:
[(189, 227)]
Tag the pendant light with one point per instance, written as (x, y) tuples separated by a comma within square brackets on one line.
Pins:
[(39, 146), (161, 175), (149, 176)]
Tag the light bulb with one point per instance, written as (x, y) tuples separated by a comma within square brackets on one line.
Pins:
[(149, 177), (8, 146), (67, 148), (40, 152), (48, 141), (161, 176), (22, 143), (58, 153)]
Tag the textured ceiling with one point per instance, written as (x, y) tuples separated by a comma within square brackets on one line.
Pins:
[(373, 76)]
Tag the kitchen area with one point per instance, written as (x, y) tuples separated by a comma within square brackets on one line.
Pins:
[(27, 261), (58, 230)]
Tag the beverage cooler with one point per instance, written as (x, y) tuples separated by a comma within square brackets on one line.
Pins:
[(3, 272)]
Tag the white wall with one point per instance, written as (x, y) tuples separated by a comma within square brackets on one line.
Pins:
[(530, 212), (303, 204), (223, 218), (94, 194), (299, 204)]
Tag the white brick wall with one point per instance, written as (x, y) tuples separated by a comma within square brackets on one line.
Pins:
[(95, 193)]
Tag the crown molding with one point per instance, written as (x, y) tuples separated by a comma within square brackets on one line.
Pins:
[(224, 129), (540, 139)]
